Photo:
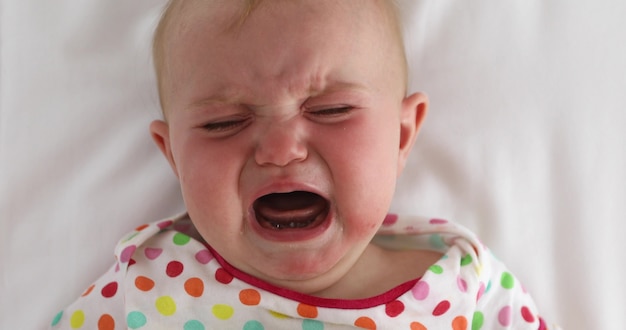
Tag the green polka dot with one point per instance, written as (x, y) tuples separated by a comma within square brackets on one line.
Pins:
[(507, 280), (488, 287), (466, 260), (223, 312), (77, 320), (312, 325), (193, 325), (131, 236), (57, 319), (181, 239), (166, 305), (253, 325), (136, 320), (436, 269), (477, 321)]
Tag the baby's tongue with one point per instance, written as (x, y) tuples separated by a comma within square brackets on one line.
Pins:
[(298, 209)]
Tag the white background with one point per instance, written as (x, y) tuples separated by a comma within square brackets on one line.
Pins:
[(524, 144)]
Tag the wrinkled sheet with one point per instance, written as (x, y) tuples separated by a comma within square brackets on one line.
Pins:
[(524, 144)]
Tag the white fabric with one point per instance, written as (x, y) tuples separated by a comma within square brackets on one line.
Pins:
[(524, 144)]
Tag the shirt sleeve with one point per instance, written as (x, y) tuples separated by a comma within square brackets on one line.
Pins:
[(504, 303), (101, 306)]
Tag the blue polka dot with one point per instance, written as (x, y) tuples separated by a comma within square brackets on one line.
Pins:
[(312, 325), (436, 241), (193, 325), (253, 325), (57, 319), (136, 320), (488, 287)]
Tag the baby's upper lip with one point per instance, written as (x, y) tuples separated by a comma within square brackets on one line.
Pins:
[(286, 186), (274, 185)]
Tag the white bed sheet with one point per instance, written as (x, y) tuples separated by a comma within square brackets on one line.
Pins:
[(524, 144)]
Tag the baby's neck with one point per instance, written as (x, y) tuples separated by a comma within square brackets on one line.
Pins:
[(379, 270)]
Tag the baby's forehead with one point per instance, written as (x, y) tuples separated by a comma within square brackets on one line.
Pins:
[(228, 15), (218, 25)]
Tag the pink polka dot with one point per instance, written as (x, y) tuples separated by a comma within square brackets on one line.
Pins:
[(152, 253), (441, 308), (420, 290), (204, 256), (109, 290), (394, 308), (223, 276), (481, 291), (174, 268), (461, 284), (390, 219), (527, 315), (182, 227), (127, 253), (165, 224), (504, 316), (438, 221), (542, 324)]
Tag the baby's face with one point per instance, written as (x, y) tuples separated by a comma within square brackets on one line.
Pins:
[(287, 132)]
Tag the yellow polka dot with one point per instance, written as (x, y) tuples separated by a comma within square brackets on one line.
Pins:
[(77, 320), (279, 315), (223, 312), (166, 305), (479, 270)]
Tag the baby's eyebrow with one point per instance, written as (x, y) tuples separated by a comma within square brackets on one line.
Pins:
[(215, 99), (338, 86), (229, 97)]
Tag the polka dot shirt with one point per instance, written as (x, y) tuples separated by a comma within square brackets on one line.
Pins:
[(166, 277)]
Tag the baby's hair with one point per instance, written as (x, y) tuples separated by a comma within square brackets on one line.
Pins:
[(172, 6)]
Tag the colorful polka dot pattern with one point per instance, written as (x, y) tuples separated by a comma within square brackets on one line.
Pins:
[(165, 277)]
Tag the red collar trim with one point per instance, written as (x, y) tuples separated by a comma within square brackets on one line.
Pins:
[(374, 301)]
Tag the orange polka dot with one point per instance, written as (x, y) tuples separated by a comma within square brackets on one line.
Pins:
[(365, 323), (142, 227), (307, 311), (459, 323), (106, 322), (250, 297), (88, 291), (194, 287), (418, 326), (143, 283)]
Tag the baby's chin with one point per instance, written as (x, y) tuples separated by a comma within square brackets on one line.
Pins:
[(306, 267)]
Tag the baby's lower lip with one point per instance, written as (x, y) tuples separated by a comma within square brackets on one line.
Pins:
[(287, 233)]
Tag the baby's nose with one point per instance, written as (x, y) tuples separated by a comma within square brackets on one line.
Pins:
[(281, 144)]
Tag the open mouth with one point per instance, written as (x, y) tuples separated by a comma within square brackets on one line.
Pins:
[(293, 210)]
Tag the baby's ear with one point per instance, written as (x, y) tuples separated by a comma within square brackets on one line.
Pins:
[(160, 132), (413, 112)]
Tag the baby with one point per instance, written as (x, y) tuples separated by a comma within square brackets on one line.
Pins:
[(287, 124)]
